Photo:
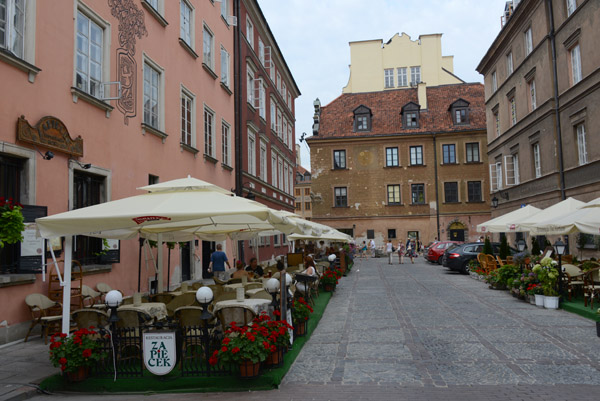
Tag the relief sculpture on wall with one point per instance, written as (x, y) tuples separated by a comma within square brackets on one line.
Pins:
[(131, 26)]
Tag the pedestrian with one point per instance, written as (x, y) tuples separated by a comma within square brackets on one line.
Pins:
[(389, 249), (218, 259), (363, 250), (410, 251), (372, 246), (480, 239), (401, 250)]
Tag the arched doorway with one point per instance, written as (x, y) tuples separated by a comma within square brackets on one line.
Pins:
[(457, 231)]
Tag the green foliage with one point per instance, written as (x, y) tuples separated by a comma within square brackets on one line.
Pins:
[(507, 274), (547, 274), (487, 247), (535, 246), (105, 248), (504, 248), (11, 222), (79, 349), (301, 310)]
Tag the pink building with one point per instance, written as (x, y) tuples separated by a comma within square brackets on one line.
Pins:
[(100, 98)]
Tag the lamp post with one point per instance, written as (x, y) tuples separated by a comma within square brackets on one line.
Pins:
[(272, 287), (560, 248), (521, 248), (204, 296), (113, 299), (494, 202)]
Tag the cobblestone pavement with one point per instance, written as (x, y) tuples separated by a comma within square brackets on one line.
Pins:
[(419, 331)]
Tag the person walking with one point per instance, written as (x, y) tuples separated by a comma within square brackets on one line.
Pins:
[(218, 259), (389, 249), (363, 250), (410, 251), (401, 250), (372, 246)]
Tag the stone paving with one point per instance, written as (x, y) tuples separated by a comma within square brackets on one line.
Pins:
[(418, 331)]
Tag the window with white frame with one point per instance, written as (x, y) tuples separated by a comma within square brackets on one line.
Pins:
[(581, 145), (224, 67), (263, 160), (472, 150), (391, 157), (187, 118), (575, 64), (284, 130), (532, 97), (571, 6), (494, 81), (262, 101), (286, 180), (251, 152), (250, 74), (152, 94), (209, 132), (90, 49), (279, 123), (278, 82), (415, 75), (513, 111), (280, 173), (208, 46), (498, 166), (261, 51), (290, 136), (416, 155), (537, 164), (528, 41), (272, 71), (186, 22), (283, 89), (393, 194), (274, 170), (291, 181), (273, 115), (511, 169), (289, 100), (388, 76), (225, 9), (509, 63), (497, 122), (402, 76), (225, 143), (12, 26), (250, 31)]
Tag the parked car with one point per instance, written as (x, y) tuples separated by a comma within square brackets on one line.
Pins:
[(436, 251), (457, 257)]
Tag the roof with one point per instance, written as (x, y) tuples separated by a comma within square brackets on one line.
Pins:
[(337, 117), (302, 170)]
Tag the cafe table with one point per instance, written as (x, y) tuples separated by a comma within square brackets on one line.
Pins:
[(256, 305), (157, 310)]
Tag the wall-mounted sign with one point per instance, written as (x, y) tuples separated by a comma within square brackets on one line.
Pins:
[(159, 352), (50, 133)]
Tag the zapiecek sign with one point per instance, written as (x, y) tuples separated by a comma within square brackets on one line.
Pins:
[(160, 356)]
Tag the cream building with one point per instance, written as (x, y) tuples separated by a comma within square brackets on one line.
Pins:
[(399, 63)]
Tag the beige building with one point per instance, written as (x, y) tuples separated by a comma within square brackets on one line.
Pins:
[(302, 189), (543, 111), (399, 63)]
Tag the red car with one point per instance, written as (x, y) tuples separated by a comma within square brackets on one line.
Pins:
[(436, 251)]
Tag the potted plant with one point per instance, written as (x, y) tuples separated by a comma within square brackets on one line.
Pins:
[(547, 274), (77, 353), (246, 347), (278, 335), (11, 222), (301, 311), (329, 280)]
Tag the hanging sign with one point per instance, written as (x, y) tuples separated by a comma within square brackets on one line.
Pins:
[(160, 356), (50, 133)]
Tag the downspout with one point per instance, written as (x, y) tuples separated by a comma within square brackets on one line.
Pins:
[(437, 192), (561, 166), (237, 88)]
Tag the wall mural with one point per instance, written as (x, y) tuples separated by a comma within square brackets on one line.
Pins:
[(131, 26)]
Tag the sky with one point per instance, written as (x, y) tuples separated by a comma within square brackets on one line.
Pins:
[(313, 36)]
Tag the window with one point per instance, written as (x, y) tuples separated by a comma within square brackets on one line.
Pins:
[(370, 234), (513, 111), (537, 166), (250, 84), (341, 196), (224, 67), (286, 181), (251, 153), (306, 205), (460, 116), (410, 115), (153, 3), (389, 77), (418, 194), (209, 132), (306, 191), (460, 111), (361, 123), (474, 191), (509, 64), (571, 6), (90, 48), (415, 75), (393, 194), (581, 146), (391, 233), (511, 168), (186, 23), (225, 143), (152, 95), (575, 64), (224, 9), (12, 26), (263, 161), (187, 118), (298, 205), (499, 175), (297, 192), (250, 32), (278, 81), (261, 51), (273, 115), (494, 82), (274, 170), (280, 173), (532, 101), (472, 152), (13, 177), (276, 239), (402, 77), (391, 157), (451, 192), (88, 190), (528, 41), (362, 119), (449, 154), (208, 48), (291, 179), (497, 121), (279, 125), (262, 101), (339, 159), (416, 155)]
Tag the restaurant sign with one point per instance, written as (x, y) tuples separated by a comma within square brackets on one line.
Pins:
[(160, 356), (50, 133)]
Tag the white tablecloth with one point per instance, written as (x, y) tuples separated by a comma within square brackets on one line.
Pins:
[(157, 310), (256, 305)]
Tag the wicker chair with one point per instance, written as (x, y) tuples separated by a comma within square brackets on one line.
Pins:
[(261, 295), (490, 263), (84, 318), (238, 314), (104, 289), (219, 282), (186, 299), (482, 261), (44, 312), (591, 286), (226, 296), (196, 286), (250, 286), (90, 296), (162, 297), (573, 278)]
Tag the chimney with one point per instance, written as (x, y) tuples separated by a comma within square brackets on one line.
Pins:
[(422, 94), (316, 117)]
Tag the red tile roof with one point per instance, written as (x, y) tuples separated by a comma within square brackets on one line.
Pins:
[(301, 170), (337, 117)]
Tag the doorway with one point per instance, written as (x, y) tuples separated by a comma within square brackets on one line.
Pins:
[(184, 248), (457, 231), (208, 247)]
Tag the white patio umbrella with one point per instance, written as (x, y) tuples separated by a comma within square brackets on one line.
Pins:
[(509, 221), (585, 220), (331, 235), (553, 212)]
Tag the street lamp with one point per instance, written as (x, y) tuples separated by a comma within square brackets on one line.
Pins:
[(560, 248), (494, 202), (521, 248), (204, 296), (113, 299), (272, 287)]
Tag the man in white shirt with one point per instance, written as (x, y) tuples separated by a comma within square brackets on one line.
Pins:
[(372, 246)]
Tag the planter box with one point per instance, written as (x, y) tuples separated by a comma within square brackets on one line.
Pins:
[(551, 302), (539, 300)]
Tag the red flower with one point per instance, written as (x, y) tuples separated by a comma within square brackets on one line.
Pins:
[(276, 313), (273, 348), (213, 360), (224, 349), (62, 361), (266, 345), (226, 341), (63, 367), (86, 353), (235, 350), (62, 335)]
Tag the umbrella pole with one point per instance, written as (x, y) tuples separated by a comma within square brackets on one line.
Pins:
[(160, 262), (169, 271), (140, 264), (66, 317)]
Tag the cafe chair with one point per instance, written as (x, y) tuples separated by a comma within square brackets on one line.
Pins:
[(573, 278), (186, 299), (219, 282), (226, 296), (261, 295), (90, 296), (591, 286), (250, 286), (44, 312), (104, 289), (197, 286), (88, 317), (162, 297), (238, 314)]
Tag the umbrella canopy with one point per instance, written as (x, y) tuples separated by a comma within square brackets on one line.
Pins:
[(508, 222), (585, 220), (331, 235), (553, 212)]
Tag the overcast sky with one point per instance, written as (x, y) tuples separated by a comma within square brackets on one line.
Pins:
[(314, 34)]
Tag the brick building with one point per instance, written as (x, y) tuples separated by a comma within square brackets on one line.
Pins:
[(265, 127), (376, 158)]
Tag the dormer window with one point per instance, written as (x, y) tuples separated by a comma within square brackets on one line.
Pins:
[(410, 115), (362, 119), (460, 112)]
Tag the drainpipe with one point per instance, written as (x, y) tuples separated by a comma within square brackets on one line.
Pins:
[(561, 166), (437, 192), (237, 87)]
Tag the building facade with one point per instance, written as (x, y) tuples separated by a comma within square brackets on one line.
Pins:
[(266, 133), (103, 97), (542, 98), (302, 193)]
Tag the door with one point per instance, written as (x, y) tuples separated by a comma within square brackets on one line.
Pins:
[(185, 261), (208, 247), (457, 235)]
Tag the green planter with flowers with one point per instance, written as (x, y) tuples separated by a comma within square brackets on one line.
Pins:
[(547, 274), (77, 353)]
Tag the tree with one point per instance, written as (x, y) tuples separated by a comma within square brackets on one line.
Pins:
[(487, 247), (535, 246), (504, 249)]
